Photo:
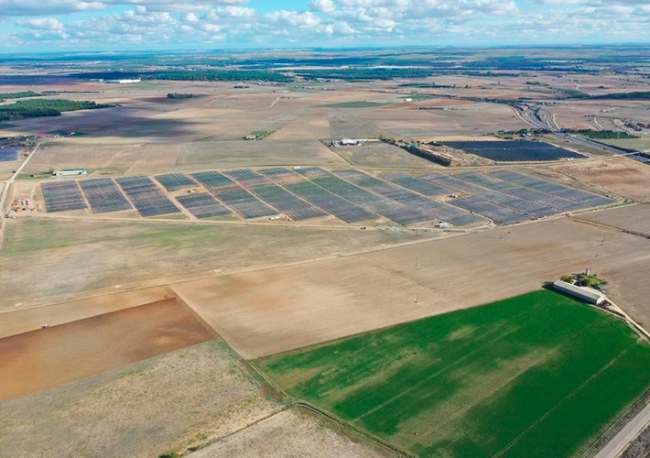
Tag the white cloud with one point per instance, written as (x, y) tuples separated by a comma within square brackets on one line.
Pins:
[(322, 6), (324, 22)]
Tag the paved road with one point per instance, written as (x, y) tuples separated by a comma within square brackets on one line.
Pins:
[(530, 116), (617, 446)]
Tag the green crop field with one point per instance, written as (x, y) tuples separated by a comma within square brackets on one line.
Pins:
[(539, 375)]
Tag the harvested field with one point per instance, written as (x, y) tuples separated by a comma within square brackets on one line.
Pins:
[(60, 259), (293, 433), (382, 155), (347, 123), (256, 154), (42, 359), (185, 398), (476, 119), (634, 218), (621, 176), (152, 158), (508, 379), (268, 311), (313, 124)]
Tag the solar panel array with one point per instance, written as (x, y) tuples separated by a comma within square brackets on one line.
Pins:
[(415, 184), (175, 181), (8, 155), (504, 196), (373, 202), (418, 204), (147, 198), (62, 196), (234, 195), (203, 205), (519, 150), (331, 203), (104, 196), (276, 196), (587, 198)]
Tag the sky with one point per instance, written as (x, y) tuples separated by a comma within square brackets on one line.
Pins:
[(128, 25)]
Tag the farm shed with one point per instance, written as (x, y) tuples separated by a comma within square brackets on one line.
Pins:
[(586, 294)]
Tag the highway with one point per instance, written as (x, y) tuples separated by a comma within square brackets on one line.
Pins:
[(630, 431), (531, 116)]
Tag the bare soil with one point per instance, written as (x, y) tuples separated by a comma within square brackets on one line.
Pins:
[(17, 320), (621, 176), (46, 358)]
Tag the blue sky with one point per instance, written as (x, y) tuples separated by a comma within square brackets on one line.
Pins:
[(98, 25)]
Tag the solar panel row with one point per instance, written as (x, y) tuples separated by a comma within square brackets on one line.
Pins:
[(520, 150), (332, 204), (233, 195), (62, 196), (417, 203), (415, 184), (175, 181), (203, 205), (104, 196), (373, 202), (274, 195), (147, 198)]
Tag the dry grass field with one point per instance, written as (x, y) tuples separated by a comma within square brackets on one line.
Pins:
[(293, 433), (46, 358), (622, 176), (467, 120), (134, 158), (186, 398), (268, 311), (62, 259), (633, 218), (381, 155)]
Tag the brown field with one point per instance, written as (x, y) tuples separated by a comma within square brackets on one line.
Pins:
[(268, 311), (292, 433), (622, 176), (18, 320), (633, 218), (46, 358), (61, 259), (182, 399)]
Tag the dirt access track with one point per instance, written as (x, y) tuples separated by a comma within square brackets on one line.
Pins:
[(46, 358), (269, 311)]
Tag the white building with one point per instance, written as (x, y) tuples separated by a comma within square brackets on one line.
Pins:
[(70, 172), (588, 295)]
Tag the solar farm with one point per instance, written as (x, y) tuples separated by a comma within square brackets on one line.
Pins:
[(513, 151), (63, 196), (350, 195), (147, 198)]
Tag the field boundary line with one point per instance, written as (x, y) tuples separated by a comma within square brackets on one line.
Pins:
[(347, 425), (600, 225)]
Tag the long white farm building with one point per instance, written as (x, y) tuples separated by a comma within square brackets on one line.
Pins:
[(586, 294)]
